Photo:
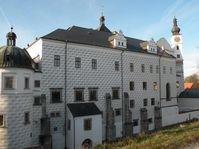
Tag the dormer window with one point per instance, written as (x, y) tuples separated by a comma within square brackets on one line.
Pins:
[(151, 46), (117, 40)]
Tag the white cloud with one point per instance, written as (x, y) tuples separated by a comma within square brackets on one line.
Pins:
[(191, 63)]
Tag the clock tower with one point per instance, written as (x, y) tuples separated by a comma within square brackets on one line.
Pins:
[(176, 44)]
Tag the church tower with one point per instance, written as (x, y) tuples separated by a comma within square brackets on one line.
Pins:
[(176, 44)]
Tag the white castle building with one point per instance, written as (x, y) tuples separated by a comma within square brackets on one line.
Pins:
[(79, 87)]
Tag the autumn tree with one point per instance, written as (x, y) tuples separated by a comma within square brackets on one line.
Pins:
[(192, 78)]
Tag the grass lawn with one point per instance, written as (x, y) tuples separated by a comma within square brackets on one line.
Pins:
[(172, 137)]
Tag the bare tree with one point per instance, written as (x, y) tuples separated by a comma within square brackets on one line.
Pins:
[(192, 78)]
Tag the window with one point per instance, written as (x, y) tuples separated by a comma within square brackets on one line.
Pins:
[(171, 70), (155, 86), (37, 101), (37, 83), (143, 68), (92, 94), (88, 124), (177, 84), (115, 93), (177, 47), (8, 82), (79, 94), (157, 69), (117, 112), (168, 92), (178, 55), (2, 120), (26, 83), (55, 128), (152, 101), (150, 120), (116, 66), (145, 102), (164, 69), (131, 85), (132, 103), (144, 85), (77, 62), (69, 125), (94, 64), (26, 118), (36, 66), (151, 68), (55, 114), (131, 67), (56, 60), (56, 95), (136, 122)]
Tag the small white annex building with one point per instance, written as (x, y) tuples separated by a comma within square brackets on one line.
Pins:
[(77, 87)]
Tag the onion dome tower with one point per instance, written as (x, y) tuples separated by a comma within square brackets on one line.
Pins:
[(16, 94), (13, 56), (175, 30)]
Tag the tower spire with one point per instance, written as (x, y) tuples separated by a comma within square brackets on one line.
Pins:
[(175, 30), (11, 38)]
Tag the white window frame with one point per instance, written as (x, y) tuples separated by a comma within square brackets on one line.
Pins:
[(13, 82)]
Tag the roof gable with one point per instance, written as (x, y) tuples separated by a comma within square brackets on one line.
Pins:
[(83, 109), (94, 37)]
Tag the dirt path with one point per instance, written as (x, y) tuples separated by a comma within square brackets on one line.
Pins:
[(193, 146)]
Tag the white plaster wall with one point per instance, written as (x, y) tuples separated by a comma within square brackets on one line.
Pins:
[(105, 77), (19, 75), (168, 78), (169, 115), (36, 115), (14, 103), (53, 77), (70, 133), (188, 116), (81, 134), (35, 49), (138, 94), (188, 103)]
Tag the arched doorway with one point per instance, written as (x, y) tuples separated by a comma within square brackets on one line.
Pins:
[(87, 144)]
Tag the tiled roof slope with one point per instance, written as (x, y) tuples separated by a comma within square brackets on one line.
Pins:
[(93, 37), (189, 93), (83, 109)]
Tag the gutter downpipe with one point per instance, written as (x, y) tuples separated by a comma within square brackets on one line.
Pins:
[(74, 131), (122, 90), (160, 86), (65, 79)]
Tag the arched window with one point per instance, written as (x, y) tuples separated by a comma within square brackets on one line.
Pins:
[(168, 92)]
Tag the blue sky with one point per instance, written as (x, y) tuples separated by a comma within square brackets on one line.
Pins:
[(142, 19)]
